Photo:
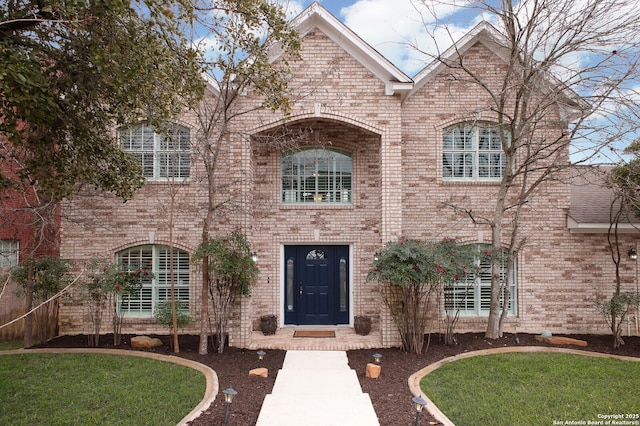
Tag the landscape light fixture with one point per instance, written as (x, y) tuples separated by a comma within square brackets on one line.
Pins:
[(377, 357), (254, 257), (419, 403), (261, 355), (376, 257), (228, 393), (633, 253)]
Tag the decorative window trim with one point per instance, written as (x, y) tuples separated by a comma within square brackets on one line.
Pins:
[(9, 252), (316, 175), (162, 157), (473, 152), (156, 287), (473, 296)]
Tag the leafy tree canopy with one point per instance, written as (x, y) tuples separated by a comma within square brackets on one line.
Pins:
[(72, 70), (230, 262), (407, 262)]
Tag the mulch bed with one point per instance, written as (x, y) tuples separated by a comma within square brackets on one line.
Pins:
[(389, 393)]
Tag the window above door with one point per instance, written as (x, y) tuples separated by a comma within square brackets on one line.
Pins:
[(316, 175)]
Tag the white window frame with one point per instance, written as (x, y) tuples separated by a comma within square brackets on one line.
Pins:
[(9, 252), (162, 156), (317, 175), (473, 152), (473, 296), (156, 287)]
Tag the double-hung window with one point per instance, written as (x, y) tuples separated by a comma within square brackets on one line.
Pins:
[(473, 152), (162, 156), (156, 286), (472, 296), (316, 175), (8, 253)]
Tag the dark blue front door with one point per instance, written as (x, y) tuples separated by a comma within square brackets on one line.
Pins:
[(316, 285)]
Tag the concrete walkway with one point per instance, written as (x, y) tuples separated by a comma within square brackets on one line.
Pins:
[(317, 388)]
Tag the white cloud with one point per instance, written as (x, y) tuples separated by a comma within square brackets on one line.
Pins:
[(403, 30)]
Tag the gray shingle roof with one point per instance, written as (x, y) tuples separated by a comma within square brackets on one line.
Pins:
[(590, 204)]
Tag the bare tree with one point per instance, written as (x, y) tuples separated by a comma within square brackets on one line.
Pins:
[(244, 34), (624, 181), (567, 86)]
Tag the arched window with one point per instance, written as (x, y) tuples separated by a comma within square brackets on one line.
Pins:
[(156, 287), (162, 156), (473, 152), (316, 175), (472, 296)]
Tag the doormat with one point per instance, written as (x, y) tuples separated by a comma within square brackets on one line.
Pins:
[(314, 333)]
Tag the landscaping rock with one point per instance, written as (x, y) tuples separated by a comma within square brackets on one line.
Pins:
[(145, 342), (373, 371), (561, 341), (259, 372)]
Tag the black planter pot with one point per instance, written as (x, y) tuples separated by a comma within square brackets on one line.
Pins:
[(268, 324), (362, 324)]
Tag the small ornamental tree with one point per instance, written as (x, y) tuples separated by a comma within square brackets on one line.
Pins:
[(624, 180), (108, 284), (409, 272), (231, 272)]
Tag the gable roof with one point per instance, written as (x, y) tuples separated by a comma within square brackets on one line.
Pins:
[(316, 16), (484, 33), (590, 203), (495, 41)]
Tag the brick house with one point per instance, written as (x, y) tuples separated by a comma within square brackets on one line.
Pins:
[(378, 161), (29, 226)]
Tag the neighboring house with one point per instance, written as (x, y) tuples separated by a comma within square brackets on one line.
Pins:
[(382, 157), (28, 225)]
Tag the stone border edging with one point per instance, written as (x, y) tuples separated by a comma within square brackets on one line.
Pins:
[(210, 375), (414, 380)]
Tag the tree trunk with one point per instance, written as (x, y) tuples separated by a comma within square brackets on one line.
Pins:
[(204, 294), (204, 307), (493, 324), (28, 320)]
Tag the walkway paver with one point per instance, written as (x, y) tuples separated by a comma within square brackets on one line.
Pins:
[(317, 388)]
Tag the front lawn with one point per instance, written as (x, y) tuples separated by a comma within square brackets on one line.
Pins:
[(87, 389), (535, 389)]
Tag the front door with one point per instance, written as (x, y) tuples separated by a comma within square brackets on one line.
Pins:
[(316, 285)]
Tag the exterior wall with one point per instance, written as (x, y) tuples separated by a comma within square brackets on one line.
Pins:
[(342, 106), (559, 274), (397, 190)]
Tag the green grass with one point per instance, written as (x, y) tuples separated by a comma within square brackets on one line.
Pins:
[(15, 344), (83, 389), (534, 389)]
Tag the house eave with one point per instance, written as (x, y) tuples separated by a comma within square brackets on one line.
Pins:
[(600, 228)]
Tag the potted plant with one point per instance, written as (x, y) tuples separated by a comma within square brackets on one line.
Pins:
[(362, 324), (268, 324)]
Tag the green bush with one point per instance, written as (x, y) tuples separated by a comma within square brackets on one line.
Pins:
[(163, 316)]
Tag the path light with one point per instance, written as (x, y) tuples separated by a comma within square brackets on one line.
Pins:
[(228, 393), (376, 257), (633, 253), (254, 257), (419, 404), (261, 355), (377, 357)]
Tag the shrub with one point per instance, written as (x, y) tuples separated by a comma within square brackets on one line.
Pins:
[(409, 271)]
